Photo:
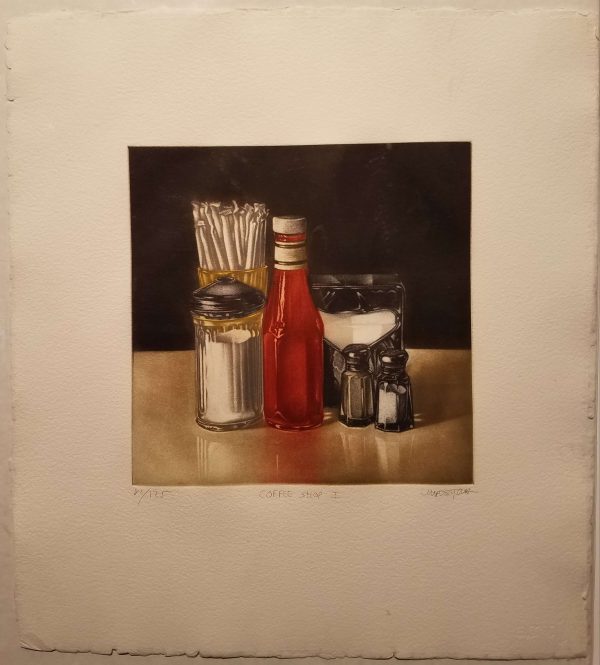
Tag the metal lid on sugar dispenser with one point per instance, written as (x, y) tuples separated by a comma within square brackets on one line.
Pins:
[(226, 298)]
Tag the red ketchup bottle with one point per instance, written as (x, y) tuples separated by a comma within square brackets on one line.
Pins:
[(292, 336)]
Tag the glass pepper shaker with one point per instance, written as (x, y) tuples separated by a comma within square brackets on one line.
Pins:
[(393, 393), (356, 408), (227, 317)]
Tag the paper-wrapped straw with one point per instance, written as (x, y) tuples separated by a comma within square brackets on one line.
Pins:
[(230, 236), (262, 242), (250, 250), (207, 248), (214, 216), (237, 235), (218, 245)]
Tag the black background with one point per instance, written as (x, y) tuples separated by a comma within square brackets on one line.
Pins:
[(400, 208)]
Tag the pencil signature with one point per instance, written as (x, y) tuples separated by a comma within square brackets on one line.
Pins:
[(453, 492)]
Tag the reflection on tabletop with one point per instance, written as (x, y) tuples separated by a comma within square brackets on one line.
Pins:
[(347, 455), (169, 448)]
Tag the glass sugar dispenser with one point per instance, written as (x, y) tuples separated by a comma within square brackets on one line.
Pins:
[(393, 393), (227, 317), (356, 406)]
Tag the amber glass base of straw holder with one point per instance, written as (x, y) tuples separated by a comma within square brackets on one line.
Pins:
[(256, 277)]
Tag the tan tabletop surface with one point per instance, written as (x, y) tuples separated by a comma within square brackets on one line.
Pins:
[(169, 448)]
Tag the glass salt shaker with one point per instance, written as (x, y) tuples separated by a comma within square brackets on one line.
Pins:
[(393, 393), (227, 317), (356, 408)]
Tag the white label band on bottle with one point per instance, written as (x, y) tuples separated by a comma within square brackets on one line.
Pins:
[(290, 257)]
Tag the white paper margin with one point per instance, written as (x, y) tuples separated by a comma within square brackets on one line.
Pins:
[(215, 570)]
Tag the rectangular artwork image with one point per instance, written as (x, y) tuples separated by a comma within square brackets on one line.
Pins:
[(301, 314)]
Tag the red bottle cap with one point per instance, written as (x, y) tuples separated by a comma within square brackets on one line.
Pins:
[(289, 225)]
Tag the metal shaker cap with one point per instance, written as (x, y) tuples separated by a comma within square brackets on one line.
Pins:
[(393, 359), (357, 356)]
